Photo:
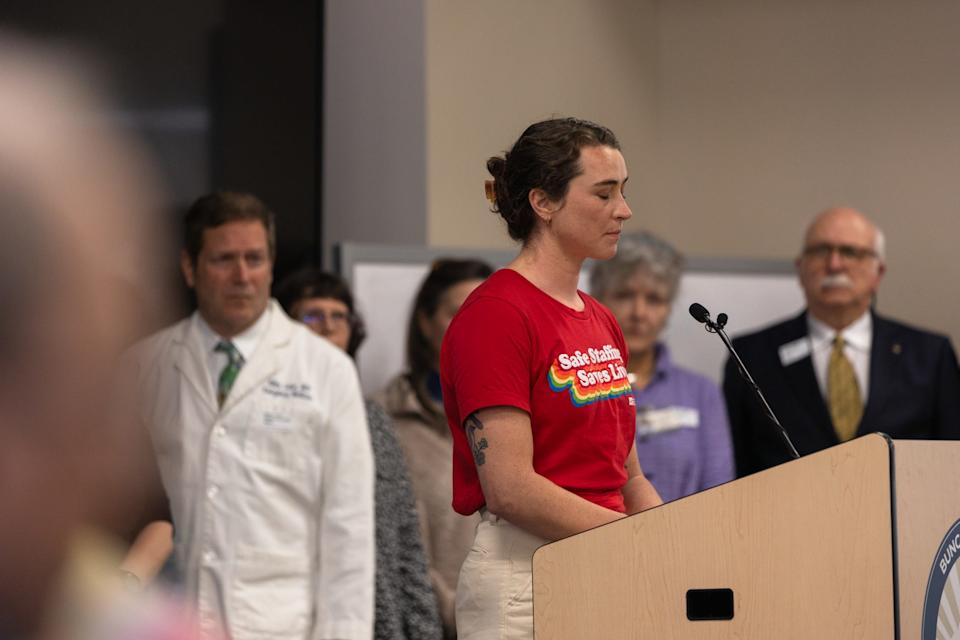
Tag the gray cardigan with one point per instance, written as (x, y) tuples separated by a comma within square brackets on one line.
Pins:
[(406, 606)]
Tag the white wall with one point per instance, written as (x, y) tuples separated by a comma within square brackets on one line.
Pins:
[(771, 111), (494, 67), (740, 120)]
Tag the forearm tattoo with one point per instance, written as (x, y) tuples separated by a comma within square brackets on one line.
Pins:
[(477, 442)]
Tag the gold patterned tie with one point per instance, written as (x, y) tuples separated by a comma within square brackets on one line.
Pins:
[(843, 393)]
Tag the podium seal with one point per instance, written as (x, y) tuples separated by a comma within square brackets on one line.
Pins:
[(941, 604)]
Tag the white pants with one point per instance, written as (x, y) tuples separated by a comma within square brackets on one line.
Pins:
[(495, 591)]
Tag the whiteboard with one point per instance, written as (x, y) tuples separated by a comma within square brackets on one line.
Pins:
[(385, 280), (751, 300)]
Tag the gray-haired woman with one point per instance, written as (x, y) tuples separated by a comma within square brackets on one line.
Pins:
[(683, 437)]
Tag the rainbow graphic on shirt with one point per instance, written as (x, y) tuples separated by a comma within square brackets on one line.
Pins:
[(590, 375)]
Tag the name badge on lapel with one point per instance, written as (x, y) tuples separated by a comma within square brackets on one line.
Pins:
[(653, 421), (794, 351)]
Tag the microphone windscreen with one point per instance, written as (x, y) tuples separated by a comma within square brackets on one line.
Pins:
[(699, 312)]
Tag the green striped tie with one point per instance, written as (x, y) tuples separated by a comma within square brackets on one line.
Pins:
[(229, 374)]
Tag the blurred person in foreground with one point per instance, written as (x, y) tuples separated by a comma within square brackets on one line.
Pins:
[(839, 369), (262, 442), (414, 401), (683, 439), (78, 284), (405, 604), (534, 376)]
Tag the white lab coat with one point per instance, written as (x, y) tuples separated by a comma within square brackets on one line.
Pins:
[(272, 496)]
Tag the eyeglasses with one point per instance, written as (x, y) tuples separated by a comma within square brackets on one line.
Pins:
[(332, 319), (847, 252)]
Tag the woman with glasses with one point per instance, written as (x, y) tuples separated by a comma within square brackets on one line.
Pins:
[(683, 438), (405, 605), (414, 402)]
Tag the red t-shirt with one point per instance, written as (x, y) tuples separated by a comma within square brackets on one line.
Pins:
[(513, 345)]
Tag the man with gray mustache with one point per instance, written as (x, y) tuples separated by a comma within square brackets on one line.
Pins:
[(840, 370)]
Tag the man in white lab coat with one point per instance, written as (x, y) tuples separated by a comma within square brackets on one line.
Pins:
[(262, 442)]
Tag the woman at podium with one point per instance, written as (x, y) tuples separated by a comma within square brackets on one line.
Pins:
[(534, 375)]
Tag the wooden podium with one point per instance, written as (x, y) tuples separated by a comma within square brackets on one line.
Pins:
[(837, 545)]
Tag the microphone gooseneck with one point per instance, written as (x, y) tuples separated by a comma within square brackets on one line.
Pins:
[(701, 315)]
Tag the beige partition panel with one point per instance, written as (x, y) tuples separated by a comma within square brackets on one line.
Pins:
[(927, 488), (806, 548)]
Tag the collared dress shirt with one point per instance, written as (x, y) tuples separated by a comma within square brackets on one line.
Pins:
[(858, 337), (246, 343)]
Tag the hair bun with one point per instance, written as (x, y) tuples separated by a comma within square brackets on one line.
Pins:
[(496, 166)]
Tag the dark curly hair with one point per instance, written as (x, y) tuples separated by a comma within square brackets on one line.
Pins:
[(314, 283), (546, 156)]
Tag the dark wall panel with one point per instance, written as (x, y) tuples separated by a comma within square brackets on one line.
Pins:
[(266, 88)]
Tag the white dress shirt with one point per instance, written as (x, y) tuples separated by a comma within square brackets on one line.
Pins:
[(246, 343), (857, 339)]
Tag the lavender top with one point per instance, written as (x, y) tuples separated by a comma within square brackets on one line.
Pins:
[(683, 437)]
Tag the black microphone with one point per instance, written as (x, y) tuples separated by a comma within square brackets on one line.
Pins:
[(699, 312), (701, 315)]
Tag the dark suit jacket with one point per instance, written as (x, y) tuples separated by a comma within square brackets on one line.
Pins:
[(914, 392)]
